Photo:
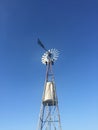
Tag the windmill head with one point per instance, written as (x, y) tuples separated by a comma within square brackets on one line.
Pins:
[(50, 56)]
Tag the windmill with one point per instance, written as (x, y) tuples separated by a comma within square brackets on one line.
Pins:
[(49, 117)]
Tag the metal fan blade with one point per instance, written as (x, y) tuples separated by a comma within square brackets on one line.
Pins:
[(50, 56)]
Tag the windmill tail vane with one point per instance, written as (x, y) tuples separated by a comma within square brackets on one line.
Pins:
[(41, 44)]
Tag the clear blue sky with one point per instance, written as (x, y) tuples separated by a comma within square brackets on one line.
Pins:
[(71, 26)]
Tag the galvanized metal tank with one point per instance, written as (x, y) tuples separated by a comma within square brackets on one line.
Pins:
[(49, 97)]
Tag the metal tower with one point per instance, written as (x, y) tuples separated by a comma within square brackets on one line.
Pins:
[(49, 117)]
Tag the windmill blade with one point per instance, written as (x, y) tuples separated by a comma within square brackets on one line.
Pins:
[(50, 56), (40, 43)]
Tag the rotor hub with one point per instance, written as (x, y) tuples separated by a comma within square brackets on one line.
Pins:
[(50, 56)]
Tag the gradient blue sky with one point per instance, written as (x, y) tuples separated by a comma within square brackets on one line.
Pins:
[(71, 26)]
